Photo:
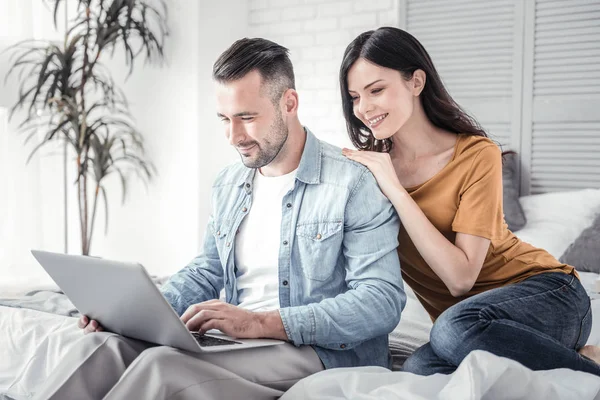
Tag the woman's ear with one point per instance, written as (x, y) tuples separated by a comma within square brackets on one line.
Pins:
[(418, 80)]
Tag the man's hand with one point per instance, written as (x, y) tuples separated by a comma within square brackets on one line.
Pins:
[(89, 326), (234, 321)]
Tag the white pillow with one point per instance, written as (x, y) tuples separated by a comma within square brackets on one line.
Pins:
[(556, 219)]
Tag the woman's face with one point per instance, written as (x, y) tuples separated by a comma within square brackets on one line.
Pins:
[(382, 99)]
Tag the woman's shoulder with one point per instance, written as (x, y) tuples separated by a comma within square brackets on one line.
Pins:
[(470, 146)]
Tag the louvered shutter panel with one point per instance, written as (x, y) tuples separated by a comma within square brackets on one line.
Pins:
[(563, 131), (476, 48)]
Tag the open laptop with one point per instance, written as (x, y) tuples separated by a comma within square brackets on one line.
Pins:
[(123, 299)]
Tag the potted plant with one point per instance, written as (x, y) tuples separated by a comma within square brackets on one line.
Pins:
[(67, 95)]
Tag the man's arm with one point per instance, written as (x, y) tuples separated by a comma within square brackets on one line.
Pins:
[(376, 297), (234, 321), (200, 280)]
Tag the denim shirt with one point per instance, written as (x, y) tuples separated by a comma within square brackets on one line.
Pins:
[(340, 288)]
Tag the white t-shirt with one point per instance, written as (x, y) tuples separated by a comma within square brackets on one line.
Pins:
[(257, 244)]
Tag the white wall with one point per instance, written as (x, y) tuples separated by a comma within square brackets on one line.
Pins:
[(174, 109), (163, 227), (157, 225), (526, 70), (317, 33), (222, 23)]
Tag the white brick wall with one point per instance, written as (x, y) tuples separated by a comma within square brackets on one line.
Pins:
[(317, 33)]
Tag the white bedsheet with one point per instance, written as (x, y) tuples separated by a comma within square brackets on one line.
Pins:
[(32, 345), (481, 375)]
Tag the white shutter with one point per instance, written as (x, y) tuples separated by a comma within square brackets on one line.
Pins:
[(562, 128), (476, 47)]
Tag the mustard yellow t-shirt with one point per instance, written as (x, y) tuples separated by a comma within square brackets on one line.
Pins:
[(466, 196)]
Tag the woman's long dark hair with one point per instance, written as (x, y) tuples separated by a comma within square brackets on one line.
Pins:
[(396, 49)]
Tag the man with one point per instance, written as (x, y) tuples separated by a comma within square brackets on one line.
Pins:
[(301, 239)]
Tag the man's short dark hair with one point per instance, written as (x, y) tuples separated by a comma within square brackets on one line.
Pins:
[(270, 59)]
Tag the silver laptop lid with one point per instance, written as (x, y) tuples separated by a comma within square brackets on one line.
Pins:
[(121, 296)]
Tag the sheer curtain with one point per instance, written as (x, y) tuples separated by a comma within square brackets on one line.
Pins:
[(21, 222), (31, 195)]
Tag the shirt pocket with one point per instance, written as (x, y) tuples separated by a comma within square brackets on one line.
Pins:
[(319, 248)]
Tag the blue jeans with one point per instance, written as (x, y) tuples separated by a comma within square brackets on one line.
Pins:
[(540, 322)]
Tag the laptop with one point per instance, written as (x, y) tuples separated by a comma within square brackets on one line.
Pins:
[(123, 299)]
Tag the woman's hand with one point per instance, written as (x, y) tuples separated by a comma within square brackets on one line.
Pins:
[(380, 165)]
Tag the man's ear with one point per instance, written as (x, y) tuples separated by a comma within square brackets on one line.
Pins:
[(290, 101), (419, 77)]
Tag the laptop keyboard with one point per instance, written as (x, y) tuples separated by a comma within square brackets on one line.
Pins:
[(205, 341)]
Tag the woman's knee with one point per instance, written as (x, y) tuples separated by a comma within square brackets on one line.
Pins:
[(445, 330), (449, 335)]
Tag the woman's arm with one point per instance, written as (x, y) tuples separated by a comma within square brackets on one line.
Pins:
[(457, 264)]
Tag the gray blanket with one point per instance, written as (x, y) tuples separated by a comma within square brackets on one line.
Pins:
[(51, 301), (54, 302)]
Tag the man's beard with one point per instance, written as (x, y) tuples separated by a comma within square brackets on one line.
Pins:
[(270, 148)]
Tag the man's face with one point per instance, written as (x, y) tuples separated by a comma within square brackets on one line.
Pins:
[(253, 124)]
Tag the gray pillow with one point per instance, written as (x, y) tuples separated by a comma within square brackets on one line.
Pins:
[(513, 212), (583, 253)]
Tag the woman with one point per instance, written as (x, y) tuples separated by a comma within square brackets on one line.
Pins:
[(483, 287)]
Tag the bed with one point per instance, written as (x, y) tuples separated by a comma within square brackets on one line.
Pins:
[(555, 221), (38, 326)]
